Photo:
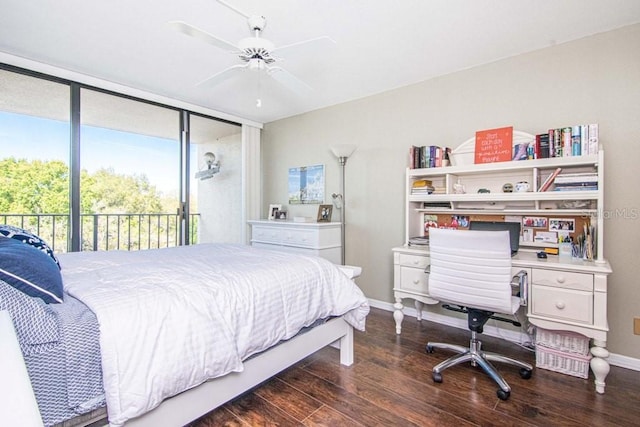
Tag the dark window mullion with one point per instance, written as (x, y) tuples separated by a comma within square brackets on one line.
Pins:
[(74, 236)]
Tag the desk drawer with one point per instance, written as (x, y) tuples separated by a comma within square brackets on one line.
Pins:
[(566, 304), (414, 279), (416, 261), (563, 279)]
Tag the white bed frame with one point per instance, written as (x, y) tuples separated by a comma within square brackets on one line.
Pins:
[(192, 404)]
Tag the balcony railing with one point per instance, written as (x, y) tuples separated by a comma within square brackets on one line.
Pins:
[(104, 232)]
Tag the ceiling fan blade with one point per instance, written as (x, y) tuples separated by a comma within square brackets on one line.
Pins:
[(222, 75), (202, 35), (288, 80), (323, 39)]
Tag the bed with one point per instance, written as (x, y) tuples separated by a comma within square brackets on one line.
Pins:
[(179, 331)]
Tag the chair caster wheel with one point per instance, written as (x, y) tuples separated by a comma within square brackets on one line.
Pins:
[(503, 395), (437, 377), (525, 374), (429, 349)]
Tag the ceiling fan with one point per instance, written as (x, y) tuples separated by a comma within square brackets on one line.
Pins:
[(255, 53)]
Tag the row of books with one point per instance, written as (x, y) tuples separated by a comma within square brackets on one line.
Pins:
[(581, 181), (428, 156), (578, 140)]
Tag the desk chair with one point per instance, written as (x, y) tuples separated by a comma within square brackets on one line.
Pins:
[(472, 269)]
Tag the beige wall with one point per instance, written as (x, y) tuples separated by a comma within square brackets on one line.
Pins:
[(592, 80)]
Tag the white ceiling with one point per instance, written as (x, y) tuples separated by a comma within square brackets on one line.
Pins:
[(380, 44)]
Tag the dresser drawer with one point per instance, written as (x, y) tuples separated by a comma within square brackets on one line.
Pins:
[(266, 234), (415, 261), (559, 303), (563, 279), (303, 238), (414, 279)]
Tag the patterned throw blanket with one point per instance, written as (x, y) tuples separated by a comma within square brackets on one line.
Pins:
[(66, 375)]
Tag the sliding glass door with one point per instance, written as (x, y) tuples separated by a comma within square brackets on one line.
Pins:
[(34, 156), (88, 169), (130, 173)]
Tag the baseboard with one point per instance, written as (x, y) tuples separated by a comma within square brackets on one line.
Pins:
[(516, 337)]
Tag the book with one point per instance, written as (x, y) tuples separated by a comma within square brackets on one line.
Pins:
[(547, 182), (575, 188), (520, 151), (593, 138), (576, 143), (566, 142), (421, 183), (576, 178), (584, 140), (557, 143), (542, 144)]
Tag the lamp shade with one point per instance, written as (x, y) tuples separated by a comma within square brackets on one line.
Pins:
[(343, 150)]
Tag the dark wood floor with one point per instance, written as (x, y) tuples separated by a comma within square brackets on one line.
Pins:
[(390, 384)]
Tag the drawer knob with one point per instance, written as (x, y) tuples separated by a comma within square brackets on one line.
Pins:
[(416, 262), (560, 305), (560, 279), (416, 281)]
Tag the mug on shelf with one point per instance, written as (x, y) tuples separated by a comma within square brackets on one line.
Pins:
[(521, 186)]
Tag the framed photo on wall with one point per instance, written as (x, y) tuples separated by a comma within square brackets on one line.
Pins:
[(306, 185), (324, 213)]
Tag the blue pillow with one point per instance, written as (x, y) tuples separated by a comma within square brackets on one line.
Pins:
[(29, 238), (30, 270)]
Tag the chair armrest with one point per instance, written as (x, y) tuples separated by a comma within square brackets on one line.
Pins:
[(521, 282)]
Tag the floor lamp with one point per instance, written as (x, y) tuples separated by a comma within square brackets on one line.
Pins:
[(342, 152)]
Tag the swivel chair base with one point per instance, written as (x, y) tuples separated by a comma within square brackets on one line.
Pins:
[(477, 357)]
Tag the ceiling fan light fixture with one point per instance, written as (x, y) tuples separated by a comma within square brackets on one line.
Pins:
[(255, 43), (256, 64)]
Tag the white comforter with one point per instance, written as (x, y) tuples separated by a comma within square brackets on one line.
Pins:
[(172, 318)]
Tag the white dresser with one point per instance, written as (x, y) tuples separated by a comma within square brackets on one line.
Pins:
[(310, 238)]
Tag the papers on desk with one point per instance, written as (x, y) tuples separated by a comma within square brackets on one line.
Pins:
[(418, 241)]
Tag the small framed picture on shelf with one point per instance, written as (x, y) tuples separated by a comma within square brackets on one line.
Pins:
[(324, 213), (273, 210), (281, 215)]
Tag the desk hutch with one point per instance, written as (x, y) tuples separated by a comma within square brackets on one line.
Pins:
[(564, 293)]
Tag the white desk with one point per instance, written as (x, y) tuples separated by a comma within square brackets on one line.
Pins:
[(564, 294)]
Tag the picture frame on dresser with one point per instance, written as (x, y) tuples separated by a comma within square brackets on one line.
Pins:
[(324, 213), (273, 210)]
